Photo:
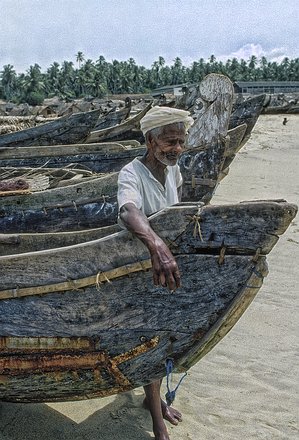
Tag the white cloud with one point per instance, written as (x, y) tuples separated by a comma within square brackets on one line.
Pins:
[(248, 50)]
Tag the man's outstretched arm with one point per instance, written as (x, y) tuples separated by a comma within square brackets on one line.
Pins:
[(165, 270)]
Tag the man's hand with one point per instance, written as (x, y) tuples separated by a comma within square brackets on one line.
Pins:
[(165, 269)]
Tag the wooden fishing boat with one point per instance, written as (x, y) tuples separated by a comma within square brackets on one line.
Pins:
[(65, 130), (55, 177), (188, 99), (10, 124), (244, 111), (235, 135), (114, 116), (247, 112), (86, 321), (129, 129), (97, 157), (90, 203), (207, 140), (280, 104)]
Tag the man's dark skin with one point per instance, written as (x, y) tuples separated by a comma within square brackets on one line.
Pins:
[(162, 150)]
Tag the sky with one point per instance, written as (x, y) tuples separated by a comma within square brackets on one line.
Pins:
[(44, 31)]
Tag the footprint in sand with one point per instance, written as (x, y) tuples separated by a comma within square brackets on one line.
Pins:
[(292, 241)]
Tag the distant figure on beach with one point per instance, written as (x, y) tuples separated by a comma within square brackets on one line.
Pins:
[(147, 185), (285, 120)]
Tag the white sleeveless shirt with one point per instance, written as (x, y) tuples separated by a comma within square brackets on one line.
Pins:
[(137, 185)]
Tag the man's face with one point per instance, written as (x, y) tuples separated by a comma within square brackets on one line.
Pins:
[(168, 146)]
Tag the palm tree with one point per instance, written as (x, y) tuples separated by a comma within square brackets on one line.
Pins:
[(251, 67), (8, 81), (177, 71), (293, 72), (212, 59), (243, 71), (67, 79), (52, 79), (234, 69), (114, 77), (34, 85), (102, 77), (33, 80), (79, 58)]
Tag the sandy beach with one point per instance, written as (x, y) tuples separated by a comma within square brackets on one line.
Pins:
[(247, 387)]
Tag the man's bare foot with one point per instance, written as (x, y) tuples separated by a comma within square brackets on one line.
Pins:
[(170, 414)]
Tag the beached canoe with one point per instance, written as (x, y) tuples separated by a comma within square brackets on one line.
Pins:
[(129, 129), (114, 116), (280, 104), (97, 157), (247, 112), (86, 321), (244, 111), (91, 203), (54, 177), (10, 124), (207, 140), (23, 242), (234, 144), (65, 130)]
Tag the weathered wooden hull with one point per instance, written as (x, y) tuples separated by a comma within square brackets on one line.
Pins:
[(129, 129), (98, 157), (18, 243), (10, 124), (84, 205), (86, 321), (234, 144), (43, 178), (66, 130), (207, 140), (247, 112), (280, 104), (113, 117), (293, 110)]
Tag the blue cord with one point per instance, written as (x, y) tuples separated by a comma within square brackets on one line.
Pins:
[(170, 395)]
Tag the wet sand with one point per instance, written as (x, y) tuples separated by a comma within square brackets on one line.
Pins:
[(247, 387)]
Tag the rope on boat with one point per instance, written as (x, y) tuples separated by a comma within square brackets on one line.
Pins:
[(197, 229), (15, 192), (170, 395), (93, 280), (221, 255), (98, 279)]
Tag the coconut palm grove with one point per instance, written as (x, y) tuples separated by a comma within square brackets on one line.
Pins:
[(85, 77)]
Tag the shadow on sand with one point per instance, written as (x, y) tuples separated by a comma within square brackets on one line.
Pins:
[(124, 418)]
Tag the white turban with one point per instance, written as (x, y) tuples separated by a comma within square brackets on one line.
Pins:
[(159, 116)]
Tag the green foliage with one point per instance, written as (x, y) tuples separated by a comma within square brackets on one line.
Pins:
[(34, 98), (101, 77)]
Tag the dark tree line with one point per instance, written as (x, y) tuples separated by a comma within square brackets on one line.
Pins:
[(99, 78)]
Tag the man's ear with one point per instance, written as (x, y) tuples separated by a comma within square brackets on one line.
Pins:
[(150, 140)]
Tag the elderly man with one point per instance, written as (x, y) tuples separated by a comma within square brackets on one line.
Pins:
[(145, 186)]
